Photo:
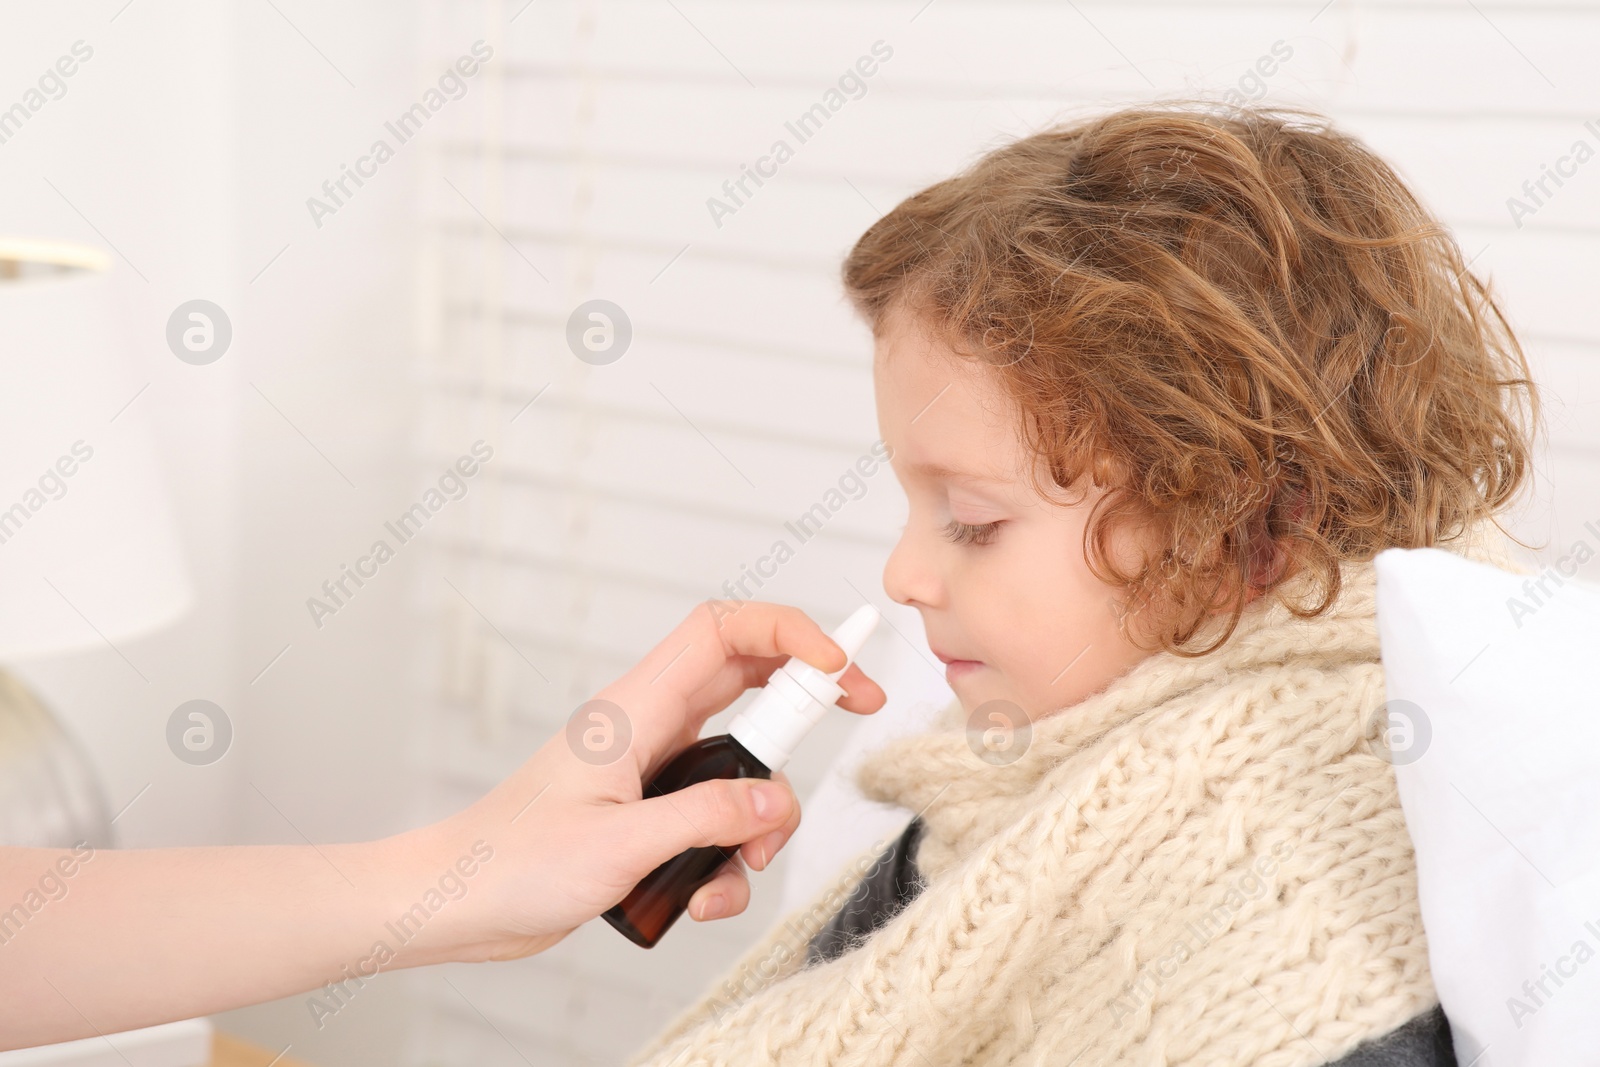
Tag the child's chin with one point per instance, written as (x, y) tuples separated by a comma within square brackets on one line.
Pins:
[(998, 730), (983, 699)]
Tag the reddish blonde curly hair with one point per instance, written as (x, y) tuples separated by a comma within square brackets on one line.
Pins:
[(1242, 323)]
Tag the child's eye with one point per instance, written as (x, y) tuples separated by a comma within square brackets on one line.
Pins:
[(964, 534)]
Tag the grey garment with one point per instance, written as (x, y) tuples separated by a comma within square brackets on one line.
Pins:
[(887, 887), (893, 881), (1424, 1041)]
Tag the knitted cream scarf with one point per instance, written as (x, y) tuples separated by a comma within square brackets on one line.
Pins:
[(1204, 863)]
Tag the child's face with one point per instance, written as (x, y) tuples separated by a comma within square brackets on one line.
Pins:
[(996, 570)]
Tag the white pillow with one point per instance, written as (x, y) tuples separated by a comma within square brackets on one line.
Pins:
[(1493, 687)]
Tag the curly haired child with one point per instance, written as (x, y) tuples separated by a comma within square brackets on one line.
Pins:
[(1158, 386)]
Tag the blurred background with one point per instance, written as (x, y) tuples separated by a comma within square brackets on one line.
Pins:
[(378, 326)]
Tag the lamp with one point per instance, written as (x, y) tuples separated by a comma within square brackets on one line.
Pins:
[(88, 553)]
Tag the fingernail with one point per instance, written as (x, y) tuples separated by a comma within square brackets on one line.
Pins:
[(715, 907), (766, 799), (764, 850)]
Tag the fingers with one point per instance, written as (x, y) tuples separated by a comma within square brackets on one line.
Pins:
[(756, 628), (760, 852), (727, 812), (738, 674), (721, 649), (862, 695), (725, 895), (720, 631)]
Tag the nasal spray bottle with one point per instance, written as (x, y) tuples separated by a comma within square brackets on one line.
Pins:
[(759, 741)]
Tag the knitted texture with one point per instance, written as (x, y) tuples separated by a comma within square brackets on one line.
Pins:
[(1203, 863)]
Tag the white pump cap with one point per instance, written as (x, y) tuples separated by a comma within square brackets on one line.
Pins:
[(796, 696)]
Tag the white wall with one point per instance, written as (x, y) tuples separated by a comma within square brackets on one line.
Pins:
[(332, 329), (191, 140)]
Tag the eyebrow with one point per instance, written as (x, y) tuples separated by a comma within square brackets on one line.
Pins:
[(939, 470)]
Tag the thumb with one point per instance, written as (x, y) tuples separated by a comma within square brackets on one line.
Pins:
[(721, 811)]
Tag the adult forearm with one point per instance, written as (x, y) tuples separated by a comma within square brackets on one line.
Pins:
[(98, 941)]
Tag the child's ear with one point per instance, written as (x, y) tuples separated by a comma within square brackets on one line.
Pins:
[(1267, 560), (1264, 563)]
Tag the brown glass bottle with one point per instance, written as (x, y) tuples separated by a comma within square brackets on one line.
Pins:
[(650, 909)]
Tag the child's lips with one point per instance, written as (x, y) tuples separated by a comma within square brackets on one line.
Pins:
[(956, 668)]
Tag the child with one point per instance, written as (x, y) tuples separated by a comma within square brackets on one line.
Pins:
[(1158, 387)]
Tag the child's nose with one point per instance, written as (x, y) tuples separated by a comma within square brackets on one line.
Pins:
[(909, 576)]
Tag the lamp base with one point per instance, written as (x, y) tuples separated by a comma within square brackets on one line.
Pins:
[(50, 796)]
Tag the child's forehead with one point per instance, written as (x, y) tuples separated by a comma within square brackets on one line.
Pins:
[(929, 393), (945, 415), (945, 422), (976, 474), (918, 367)]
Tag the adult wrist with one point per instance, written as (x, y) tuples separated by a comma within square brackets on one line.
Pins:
[(421, 913)]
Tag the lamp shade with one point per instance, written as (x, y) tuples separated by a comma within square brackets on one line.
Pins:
[(88, 550)]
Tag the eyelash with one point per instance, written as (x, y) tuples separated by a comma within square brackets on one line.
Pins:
[(963, 534)]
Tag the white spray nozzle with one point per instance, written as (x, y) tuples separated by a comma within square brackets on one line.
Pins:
[(797, 695), (852, 634)]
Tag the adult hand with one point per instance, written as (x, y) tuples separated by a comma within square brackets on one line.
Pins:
[(99, 941), (569, 831)]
